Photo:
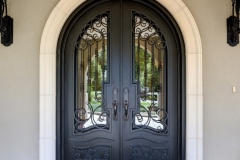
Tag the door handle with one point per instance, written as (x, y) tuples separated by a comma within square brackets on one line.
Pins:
[(115, 102), (125, 103)]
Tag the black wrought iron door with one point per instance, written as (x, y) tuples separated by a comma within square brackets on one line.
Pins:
[(120, 84)]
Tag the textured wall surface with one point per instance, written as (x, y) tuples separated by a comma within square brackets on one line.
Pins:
[(19, 81), (221, 71)]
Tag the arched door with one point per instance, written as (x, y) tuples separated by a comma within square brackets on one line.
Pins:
[(120, 84)]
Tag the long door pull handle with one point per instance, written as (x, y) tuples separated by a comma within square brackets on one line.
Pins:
[(115, 102), (125, 103)]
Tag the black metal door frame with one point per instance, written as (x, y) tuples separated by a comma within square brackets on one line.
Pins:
[(181, 72)]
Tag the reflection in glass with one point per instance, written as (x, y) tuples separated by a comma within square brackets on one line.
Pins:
[(150, 49), (91, 73)]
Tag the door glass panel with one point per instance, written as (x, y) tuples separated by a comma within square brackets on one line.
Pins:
[(91, 73), (150, 70)]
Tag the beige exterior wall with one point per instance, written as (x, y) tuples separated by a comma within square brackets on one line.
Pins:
[(19, 81), (221, 71)]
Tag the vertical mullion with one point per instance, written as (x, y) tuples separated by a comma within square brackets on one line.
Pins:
[(160, 79), (162, 83), (103, 60), (89, 73), (96, 69), (152, 67), (138, 63), (145, 68)]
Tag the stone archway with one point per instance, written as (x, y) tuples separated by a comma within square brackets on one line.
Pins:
[(194, 105)]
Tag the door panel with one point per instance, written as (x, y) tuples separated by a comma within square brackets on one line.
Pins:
[(120, 84), (90, 131), (145, 136)]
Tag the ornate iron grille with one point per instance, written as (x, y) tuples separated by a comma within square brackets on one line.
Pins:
[(92, 66), (150, 49), (148, 153), (94, 153)]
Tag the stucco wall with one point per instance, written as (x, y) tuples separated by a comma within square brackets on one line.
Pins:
[(19, 81), (221, 71)]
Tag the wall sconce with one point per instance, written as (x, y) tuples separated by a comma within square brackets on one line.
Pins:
[(6, 25), (233, 29)]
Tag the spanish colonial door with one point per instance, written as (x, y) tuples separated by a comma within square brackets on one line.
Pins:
[(119, 85)]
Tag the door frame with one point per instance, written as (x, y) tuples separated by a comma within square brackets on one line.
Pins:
[(48, 65)]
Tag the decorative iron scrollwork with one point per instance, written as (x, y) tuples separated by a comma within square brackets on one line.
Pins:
[(92, 59), (149, 70), (94, 153), (148, 153)]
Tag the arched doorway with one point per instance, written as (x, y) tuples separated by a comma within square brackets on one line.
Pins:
[(47, 65), (131, 103)]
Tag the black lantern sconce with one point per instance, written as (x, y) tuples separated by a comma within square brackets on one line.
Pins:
[(6, 25), (233, 29)]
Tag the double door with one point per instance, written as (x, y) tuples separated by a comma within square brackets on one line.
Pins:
[(120, 93)]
